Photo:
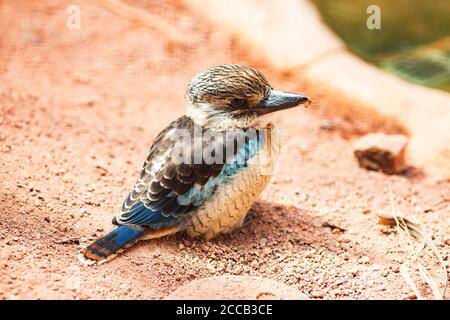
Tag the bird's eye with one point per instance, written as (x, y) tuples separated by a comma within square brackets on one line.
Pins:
[(236, 102)]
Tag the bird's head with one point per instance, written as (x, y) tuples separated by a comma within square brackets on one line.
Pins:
[(231, 96)]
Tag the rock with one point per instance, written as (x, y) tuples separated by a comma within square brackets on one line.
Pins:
[(385, 272), (410, 296), (86, 100), (252, 20), (236, 288), (318, 294), (364, 260), (382, 152), (329, 125), (254, 264)]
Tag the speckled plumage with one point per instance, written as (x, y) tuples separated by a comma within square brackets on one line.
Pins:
[(192, 193), (168, 193)]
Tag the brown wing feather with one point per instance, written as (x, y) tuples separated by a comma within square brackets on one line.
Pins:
[(162, 178)]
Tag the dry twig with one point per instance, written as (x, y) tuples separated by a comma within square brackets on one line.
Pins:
[(409, 231)]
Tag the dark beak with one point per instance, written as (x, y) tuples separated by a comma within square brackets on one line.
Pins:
[(278, 100)]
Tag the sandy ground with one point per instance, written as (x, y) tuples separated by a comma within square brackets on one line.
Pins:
[(78, 112)]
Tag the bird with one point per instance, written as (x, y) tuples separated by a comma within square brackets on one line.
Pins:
[(205, 169)]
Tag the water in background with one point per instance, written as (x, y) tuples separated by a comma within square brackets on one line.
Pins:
[(413, 42)]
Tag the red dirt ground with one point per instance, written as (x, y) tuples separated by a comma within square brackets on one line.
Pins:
[(78, 112)]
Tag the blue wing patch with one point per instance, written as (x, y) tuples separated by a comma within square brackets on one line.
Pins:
[(197, 195)]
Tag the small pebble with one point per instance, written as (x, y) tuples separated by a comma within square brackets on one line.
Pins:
[(364, 260), (410, 296), (395, 269), (237, 271)]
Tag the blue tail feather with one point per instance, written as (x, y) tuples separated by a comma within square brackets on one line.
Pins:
[(113, 243)]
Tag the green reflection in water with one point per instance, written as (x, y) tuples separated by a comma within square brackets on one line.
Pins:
[(413, 42)]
